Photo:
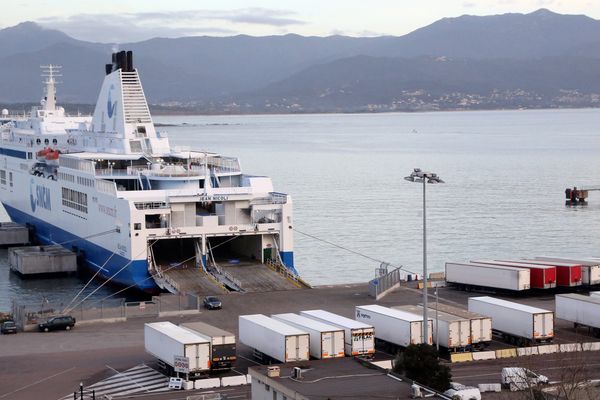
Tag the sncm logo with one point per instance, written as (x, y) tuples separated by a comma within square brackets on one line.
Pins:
[(39, 196)]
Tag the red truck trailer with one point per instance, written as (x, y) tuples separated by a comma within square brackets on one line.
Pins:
[(542, 276), (566, 275)]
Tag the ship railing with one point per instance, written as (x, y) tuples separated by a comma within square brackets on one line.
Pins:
[(273, 198), (171, 173), (150, 205), (226, 275), (77, 164), (281, 269), (266, 216), (224, 164), (231, 190), (108, 187), (133, 171)]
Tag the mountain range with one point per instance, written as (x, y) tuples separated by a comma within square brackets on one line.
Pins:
[(540, 59)]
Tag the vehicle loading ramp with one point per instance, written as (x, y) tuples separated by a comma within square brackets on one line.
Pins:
[(257, 277), (193, 281)]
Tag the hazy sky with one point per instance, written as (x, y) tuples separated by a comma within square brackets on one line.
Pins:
[(132, 20)]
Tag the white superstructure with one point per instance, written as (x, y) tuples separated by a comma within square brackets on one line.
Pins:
[(114, 189)]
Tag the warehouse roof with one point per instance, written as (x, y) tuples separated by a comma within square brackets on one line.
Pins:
[(346, 378)]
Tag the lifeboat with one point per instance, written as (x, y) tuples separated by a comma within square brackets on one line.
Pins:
[(44, 152), (52, 155)]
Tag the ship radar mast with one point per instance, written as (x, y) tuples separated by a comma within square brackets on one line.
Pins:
[(50, 72)]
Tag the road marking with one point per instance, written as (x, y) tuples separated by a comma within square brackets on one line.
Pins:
[(35, 383), (137, 380)]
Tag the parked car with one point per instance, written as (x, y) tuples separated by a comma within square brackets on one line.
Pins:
[(59, 322), (212, 303), (8, 327)]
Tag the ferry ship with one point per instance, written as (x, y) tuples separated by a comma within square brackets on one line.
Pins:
[(114, 190)]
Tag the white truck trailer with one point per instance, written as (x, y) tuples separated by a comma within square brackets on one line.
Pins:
[(326, 341), (449, 331), (273, 338), (400, 328), (166, 341), (481, 325), (469, 274), (517, 323), (222, 344), (590, 268), (579, 309), (359, 338)]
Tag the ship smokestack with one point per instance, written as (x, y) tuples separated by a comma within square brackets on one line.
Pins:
[(122, 60), (130, 61)]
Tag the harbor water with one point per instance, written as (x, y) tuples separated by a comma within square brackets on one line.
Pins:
[(505, 174)]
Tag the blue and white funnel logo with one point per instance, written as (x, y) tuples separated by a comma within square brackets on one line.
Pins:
[(39, 196), (111, 107)]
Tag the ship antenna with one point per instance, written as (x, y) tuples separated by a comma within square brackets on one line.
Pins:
[(50, 72)]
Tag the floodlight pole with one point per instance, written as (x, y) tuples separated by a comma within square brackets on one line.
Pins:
[(425, 177), (425, 306)]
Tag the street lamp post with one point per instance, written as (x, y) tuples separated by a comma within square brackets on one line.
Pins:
[(424, 177)]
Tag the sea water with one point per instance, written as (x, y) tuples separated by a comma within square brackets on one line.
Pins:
[(505, 173)]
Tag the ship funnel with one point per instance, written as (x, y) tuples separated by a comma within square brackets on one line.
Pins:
[(122, 60)]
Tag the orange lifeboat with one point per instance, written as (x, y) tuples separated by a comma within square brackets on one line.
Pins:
[(52, 155), (44, 152)]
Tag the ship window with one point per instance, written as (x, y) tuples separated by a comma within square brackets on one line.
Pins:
[(54, 141), (10, 178), (29, 155), (74, 199), (152, 221), (38, 141), (3, 177), (46, 141), (137, 226)]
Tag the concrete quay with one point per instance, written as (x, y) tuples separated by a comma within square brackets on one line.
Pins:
[(12, 234), (41, 260), (51, 365)]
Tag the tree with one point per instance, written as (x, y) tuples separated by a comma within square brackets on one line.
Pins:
[(421, 363)]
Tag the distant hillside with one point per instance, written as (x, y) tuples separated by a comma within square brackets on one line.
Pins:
[(538, 34), (542, 53), (29, 36), (356, 82)]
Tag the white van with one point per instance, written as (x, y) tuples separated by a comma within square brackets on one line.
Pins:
[(516, 378)]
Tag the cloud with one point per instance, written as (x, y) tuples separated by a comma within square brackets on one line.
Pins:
[(130, 27), (468, 4), (363, 33)]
